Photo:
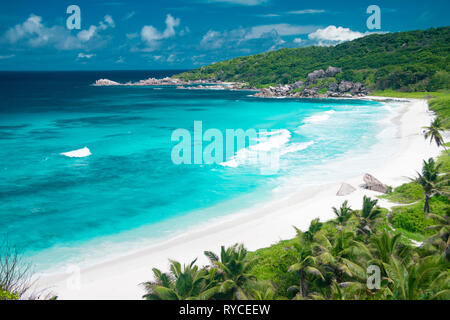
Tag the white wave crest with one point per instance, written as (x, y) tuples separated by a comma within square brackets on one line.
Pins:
[(296, 147), (80, 153), (324, 116), (274, 141), (268, 141)]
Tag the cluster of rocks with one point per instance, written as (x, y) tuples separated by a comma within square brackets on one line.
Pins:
[(370, 183), (333, 89)]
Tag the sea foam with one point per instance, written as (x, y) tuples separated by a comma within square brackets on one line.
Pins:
[(324, 116), (274, 141)]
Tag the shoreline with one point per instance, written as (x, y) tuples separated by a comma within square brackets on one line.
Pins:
[(271, 222)]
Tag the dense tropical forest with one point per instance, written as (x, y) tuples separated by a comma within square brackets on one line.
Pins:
[(407, 61), (337, 260)]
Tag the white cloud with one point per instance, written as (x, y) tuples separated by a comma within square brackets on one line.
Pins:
[(86, 35), (132, 35), (265, 37), (282, 29), (31, 28), (171, 58), (8, 56), (85, 56), (151, 35), (107, 22), (242, 2), (171, 23), (269, 15), (184, 31), (120, 60), (297, 40), (33, 33), (129, 15), (333, 35), (307, 11), (212, 40)]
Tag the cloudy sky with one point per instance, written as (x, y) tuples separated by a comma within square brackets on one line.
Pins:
[(183, 34)]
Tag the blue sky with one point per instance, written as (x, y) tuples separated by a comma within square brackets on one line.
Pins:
[(176, 34)]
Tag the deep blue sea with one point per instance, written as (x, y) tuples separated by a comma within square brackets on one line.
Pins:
[(128, 192)]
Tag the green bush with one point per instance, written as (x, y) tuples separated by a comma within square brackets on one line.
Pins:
[(411, 219), (406, 193), (440, 80), (441, 106), (5, 295), (273, 264)]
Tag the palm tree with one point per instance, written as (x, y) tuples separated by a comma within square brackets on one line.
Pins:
[(260, 290), (441, 238), (430, 181), (233, 268), (306, 264), (427, 278), (332, 251), (187, 283), (343, 213), (434, 133), (382, 247), (369, 214), (314, 227)]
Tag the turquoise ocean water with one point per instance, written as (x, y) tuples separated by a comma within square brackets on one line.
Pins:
[(128, 192)]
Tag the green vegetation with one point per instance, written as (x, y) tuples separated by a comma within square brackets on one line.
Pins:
[(441, 106), (439, 102), (331, 260), (405, 61), (406, 193), (430, 180), (5, 295), (272, 264), (410, 218), (15, 275), (335, 259)]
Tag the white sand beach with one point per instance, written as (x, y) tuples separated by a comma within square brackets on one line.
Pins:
[(120, 278)]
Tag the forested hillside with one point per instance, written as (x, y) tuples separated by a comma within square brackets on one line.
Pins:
[(406, 61)]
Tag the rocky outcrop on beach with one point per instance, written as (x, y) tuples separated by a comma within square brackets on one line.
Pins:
[(345, 190), (372, 183), (319, 84)]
